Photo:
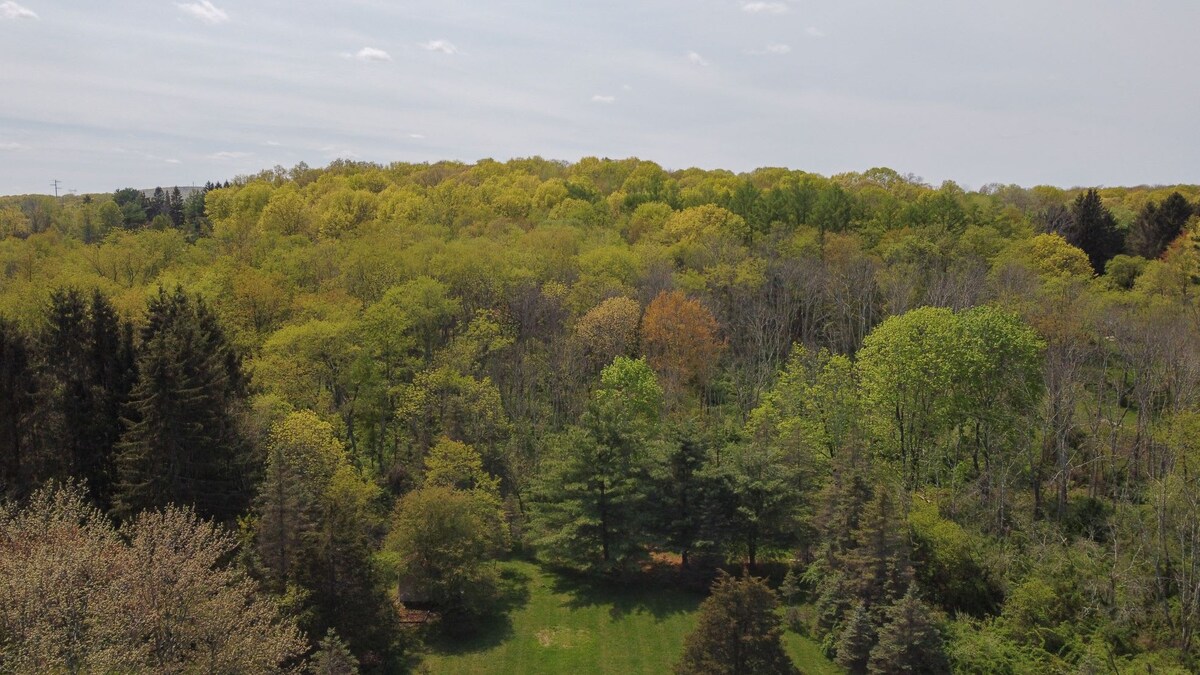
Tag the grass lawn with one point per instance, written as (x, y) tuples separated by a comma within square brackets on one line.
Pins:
[(560, 625)]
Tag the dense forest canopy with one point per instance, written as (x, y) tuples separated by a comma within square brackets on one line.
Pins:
[(956, 429)]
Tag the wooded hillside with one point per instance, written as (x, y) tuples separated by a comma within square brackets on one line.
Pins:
[(967, 421)]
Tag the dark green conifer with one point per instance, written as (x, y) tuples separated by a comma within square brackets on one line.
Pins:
[(18, 404), (738, 632), (333, 657), (856, 641), (175, 207), (909, 642), (88, 366), (1093, 229), (1158, 225), (686, 492), (879, 566), (182, 444)]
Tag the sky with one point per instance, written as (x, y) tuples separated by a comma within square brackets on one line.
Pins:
[(103, 95)]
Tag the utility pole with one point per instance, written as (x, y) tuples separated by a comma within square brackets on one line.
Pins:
[(55, 183)]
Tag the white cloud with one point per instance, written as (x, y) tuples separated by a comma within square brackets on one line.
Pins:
[(11, 10), (443, 46), (205, 11), (10, 146), (172, 161), (371, 54), (778, 49), (273, 144), (696, 59), (601, 98), (227, 154), (759, 7), (417, 136), (813, 31)]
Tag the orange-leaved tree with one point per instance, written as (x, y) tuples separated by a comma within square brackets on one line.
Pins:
[(680, 337)]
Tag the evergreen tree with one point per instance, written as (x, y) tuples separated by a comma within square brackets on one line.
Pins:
[(159, 205), (333, 657), (298, 471), (879, 565), (112, 366), (1093, 229), (181, 444), (866, 558), (685, 494), (737, 632), (70, 396), (856, 641), (1157, 226), (589, 509), (18, 401), (89, 371), (909, 642), (175, 207), (195, 222), (757, 499)]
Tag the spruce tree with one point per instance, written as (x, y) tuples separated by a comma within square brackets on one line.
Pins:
[(302, 455), (1158, 225), (175, 206), (181, 444), (333, 657), (866, 558), (856, 641), (89, 373), (738, 632), (69, 396), (159, 205), (18, 401), (1093, 229), (879, 566), (590, 507), (909, 642)]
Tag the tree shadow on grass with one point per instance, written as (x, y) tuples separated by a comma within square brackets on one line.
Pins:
[(491, 631), (639, 595)]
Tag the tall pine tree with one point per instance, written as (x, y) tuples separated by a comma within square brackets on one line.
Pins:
[(182, 444), (686, 495), (18, 401), (1093, 229), (175, 207), (909, 642), (857, 639), (589, 508), (1158, 225), (89, 372)]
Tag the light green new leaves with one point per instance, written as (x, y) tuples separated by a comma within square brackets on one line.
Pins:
[(932, 379)]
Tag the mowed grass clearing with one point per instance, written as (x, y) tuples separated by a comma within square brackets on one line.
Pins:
[(561, 625)]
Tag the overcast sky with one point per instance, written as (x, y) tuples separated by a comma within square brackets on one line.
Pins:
[(102, 95)]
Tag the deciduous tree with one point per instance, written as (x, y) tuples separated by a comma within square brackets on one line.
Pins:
[(77, 595), (680, 337)]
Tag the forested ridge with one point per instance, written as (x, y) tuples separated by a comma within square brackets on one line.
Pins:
[(935, 430)]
